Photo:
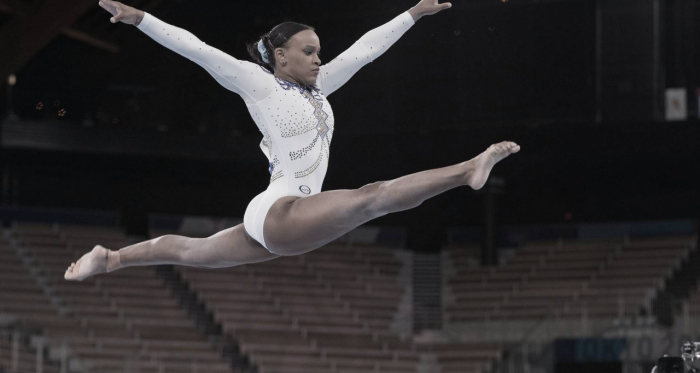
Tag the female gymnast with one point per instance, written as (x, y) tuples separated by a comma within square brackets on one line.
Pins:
[(285, 91)]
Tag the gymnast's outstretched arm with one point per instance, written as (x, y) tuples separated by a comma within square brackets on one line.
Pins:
[(241, 77), (372, 45)]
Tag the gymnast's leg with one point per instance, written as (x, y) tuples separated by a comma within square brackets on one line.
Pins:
[(227, 248), (295, 225)]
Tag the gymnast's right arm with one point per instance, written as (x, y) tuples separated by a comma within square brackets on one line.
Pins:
[(241, 77)]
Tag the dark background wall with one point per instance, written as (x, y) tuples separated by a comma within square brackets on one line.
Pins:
[(542, 74)]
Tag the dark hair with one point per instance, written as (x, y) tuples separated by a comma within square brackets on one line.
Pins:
[(276, 38)]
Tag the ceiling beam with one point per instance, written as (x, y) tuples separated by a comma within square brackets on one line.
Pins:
[(26, 35), (91, 40)]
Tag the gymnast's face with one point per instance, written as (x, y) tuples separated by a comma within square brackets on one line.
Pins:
[(302, 57)]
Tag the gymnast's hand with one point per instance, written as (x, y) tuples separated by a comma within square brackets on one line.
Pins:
[(427, 8), (122, 13)]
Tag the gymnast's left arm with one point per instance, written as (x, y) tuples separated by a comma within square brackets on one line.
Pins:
[(372, 45)]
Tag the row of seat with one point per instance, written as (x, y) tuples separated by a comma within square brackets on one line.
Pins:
[(329, 310), (26, 359), (125, 318), (600, 279), (19, 295)]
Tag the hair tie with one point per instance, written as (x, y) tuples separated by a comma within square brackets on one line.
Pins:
[(263, 52)]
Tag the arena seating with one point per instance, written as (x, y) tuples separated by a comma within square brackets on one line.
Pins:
[(603, 279), (329, 310), (465, 357), (630, 281), (26, 360), (19, 292), (127, 318), (688, 314), (21, 297), (332, 310)]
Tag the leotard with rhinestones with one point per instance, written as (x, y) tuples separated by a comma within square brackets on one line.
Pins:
[(296, 122)]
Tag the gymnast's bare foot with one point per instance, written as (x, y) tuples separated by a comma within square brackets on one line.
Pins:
[(485, 161), (90, 264)]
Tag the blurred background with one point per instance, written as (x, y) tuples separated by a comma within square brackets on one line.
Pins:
[(578, 256)]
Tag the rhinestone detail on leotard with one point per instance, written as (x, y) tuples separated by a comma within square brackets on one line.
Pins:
[(314, 166)]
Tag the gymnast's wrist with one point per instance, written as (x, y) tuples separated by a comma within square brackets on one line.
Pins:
[(415, 13), (139, 18)]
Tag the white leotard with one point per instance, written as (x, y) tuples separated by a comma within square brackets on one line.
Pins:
[(296, 122)]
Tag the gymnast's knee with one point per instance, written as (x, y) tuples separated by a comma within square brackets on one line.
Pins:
[(190, 249)]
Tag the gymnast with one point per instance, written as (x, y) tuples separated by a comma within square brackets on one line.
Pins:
[(285, 90)]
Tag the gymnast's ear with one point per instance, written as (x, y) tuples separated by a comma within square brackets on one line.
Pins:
[(280, 56)]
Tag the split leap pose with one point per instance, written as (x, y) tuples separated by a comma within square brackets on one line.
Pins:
[(285, 91)]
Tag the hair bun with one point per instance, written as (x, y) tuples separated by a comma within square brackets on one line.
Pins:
[(263, 52)]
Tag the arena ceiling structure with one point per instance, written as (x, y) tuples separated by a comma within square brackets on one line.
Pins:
[(28, 26)]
